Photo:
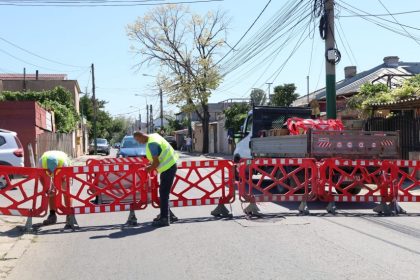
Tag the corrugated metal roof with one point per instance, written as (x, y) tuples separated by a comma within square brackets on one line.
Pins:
[(33, 76), (352, 85)]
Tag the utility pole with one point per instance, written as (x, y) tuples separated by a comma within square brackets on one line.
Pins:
[(330, 63), (139, 120), (161, 107), (94, 110), (269, 90), (307, 88), (147, 118), (151, 119)]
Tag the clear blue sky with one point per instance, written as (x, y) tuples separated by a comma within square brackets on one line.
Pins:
[(80, 36)]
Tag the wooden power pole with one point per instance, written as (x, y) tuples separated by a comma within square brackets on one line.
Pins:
[(95, 111)]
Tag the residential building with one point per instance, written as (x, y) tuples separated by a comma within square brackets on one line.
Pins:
[(29, 121), (392, 72), (40, 82)]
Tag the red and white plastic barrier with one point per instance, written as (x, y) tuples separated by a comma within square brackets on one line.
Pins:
[(343, 180), (104, 186), (276, 180), (407, 181), (120, 160), (298, 126), (23, 191), (209, 182), (122, 187)]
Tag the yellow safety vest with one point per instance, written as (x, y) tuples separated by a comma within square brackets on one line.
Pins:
[(63, 159), (167, 157)]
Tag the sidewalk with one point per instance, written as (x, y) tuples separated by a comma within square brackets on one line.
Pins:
[(13, 242)]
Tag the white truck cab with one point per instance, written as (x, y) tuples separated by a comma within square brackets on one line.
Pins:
[(243, 149), (261, 119)]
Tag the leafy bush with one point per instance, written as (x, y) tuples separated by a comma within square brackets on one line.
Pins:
[(379, 93)]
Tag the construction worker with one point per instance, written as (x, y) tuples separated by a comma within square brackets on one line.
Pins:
[(162, 158), (51, 160)]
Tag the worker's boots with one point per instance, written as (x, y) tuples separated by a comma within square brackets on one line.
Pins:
[(172, 217), (162, 222), (51, 219)]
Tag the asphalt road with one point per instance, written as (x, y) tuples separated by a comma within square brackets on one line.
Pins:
[(355, 244)]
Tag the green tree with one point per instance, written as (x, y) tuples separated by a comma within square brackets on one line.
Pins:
[(185, 45), (284, 95), (107, 127), (235, 116), (173, 125), (258, 97), (58, 100)]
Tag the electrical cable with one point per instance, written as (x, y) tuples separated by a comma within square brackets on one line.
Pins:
[(402, 27), (34, 54), (246, 32), (96, 4), (35, 65)]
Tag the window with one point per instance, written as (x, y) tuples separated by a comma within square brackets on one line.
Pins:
[(248, 128), (130, 143), (18, 143), (101, 141), (2, 141)]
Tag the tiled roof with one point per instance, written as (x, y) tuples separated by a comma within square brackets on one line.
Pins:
[(352, 85), (398, 102), (33, 77)]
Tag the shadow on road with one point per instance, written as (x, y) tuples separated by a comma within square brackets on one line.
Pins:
[(121, 231)]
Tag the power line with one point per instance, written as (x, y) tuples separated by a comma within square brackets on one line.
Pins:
[(96, 4), (35, 65), (402, 27), (367, 15), (345, 39), (268, 42), (246, 32), (384, 15), (376, 22), (34, 54)]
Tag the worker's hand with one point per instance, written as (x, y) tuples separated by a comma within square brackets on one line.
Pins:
[(149, 169)]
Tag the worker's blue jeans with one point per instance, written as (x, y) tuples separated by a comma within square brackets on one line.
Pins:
[(166, 181)]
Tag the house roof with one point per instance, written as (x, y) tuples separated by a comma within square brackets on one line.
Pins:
[(33, 76), (413, 102), (377, 74)]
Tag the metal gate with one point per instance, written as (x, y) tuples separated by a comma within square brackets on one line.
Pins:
[(408, 126)]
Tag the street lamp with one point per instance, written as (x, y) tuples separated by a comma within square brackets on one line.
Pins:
[(161, 99)]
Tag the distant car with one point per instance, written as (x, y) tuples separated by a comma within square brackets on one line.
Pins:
[(117, 145), (171, 140), (11, 152), (131, 148), (102, 146)]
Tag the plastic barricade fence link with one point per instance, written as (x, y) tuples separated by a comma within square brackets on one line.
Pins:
[(343, 180), (24, 192), (277, 180), (101, 188), (201, 183), (406, 186), (127, 160)]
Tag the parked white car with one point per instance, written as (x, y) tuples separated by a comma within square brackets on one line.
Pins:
[(11, 151)]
